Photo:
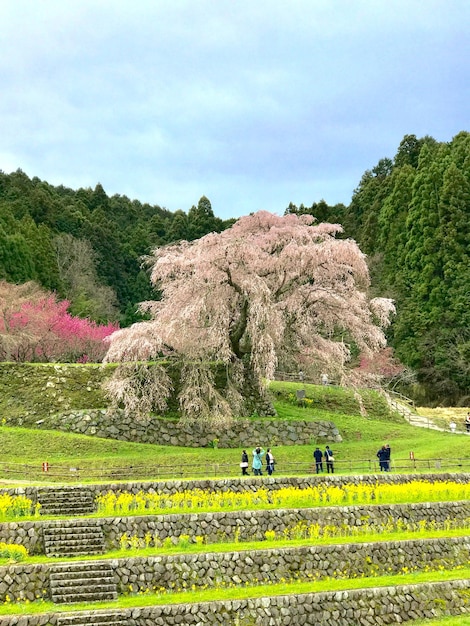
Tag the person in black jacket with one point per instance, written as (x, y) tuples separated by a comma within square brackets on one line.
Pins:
[(269, 461), (318, 456), (388, 453), (382, 456), (244, 463)]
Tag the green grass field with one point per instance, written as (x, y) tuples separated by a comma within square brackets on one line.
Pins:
[(362, 437)]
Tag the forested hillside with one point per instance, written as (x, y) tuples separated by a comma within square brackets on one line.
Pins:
[(410, 214), (87, 246)]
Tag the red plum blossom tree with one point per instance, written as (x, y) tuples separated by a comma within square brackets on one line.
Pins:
[(36, 326), (266, 291)]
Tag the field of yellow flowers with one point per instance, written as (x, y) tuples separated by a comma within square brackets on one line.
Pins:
[(125, 503)]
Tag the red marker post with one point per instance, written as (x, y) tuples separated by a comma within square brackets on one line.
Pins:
[(45, 466)]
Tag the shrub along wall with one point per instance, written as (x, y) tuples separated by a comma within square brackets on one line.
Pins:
[(343, 608), (185, 571), (246, 525), (165, 431)]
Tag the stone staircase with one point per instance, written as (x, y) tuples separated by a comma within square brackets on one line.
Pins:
[(90, 581), (66, 501), (73, 538), (88, 618)]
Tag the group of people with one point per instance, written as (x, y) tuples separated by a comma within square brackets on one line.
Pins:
[(257, 463), (318, 455), (384, 458)]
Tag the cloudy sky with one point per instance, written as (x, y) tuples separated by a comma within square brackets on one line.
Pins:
[(253, 103)]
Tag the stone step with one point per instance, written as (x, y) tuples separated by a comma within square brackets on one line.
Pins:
[(70, 510), (82, 582), (72, 496), (80, 594), (63, 492), (61, 549), (92, 542), (66, 501), (99, 618), (67, 578), (58, 569), (74, 550), (76, 540), (84, 532), (96, 583), (50, 539), (73, 547), (70, 525)]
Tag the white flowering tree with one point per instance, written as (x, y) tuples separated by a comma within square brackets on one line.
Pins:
[(268, 290)]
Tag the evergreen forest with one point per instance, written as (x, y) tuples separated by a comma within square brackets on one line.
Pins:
[(410, 215)]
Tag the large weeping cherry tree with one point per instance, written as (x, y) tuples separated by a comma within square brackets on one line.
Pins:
[(268, 291)]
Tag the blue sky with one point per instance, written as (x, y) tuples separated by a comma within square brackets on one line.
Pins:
[(253, 103)]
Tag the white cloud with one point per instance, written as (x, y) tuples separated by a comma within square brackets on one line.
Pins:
[(250, 103)]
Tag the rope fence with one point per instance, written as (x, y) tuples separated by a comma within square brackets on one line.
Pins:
[(64, 473)]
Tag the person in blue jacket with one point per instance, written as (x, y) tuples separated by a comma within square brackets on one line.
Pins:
[(258, 461)]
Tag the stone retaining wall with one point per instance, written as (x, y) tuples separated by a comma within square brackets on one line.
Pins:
[(24, 582), (252, 525), (361, 607), (186, 571), (301, 563), (246, 525), (166, 431)]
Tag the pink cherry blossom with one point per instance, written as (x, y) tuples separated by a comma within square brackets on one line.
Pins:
[(270, 291)]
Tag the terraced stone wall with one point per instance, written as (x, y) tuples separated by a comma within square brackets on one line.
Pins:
[(246, 525), (263, 566), (240, 485), (252, 525), (185, 571), (343, 608), (166, 431)]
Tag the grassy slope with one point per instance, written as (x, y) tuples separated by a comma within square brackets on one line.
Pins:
[(35, 391), (362, 436), (442, 416)]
